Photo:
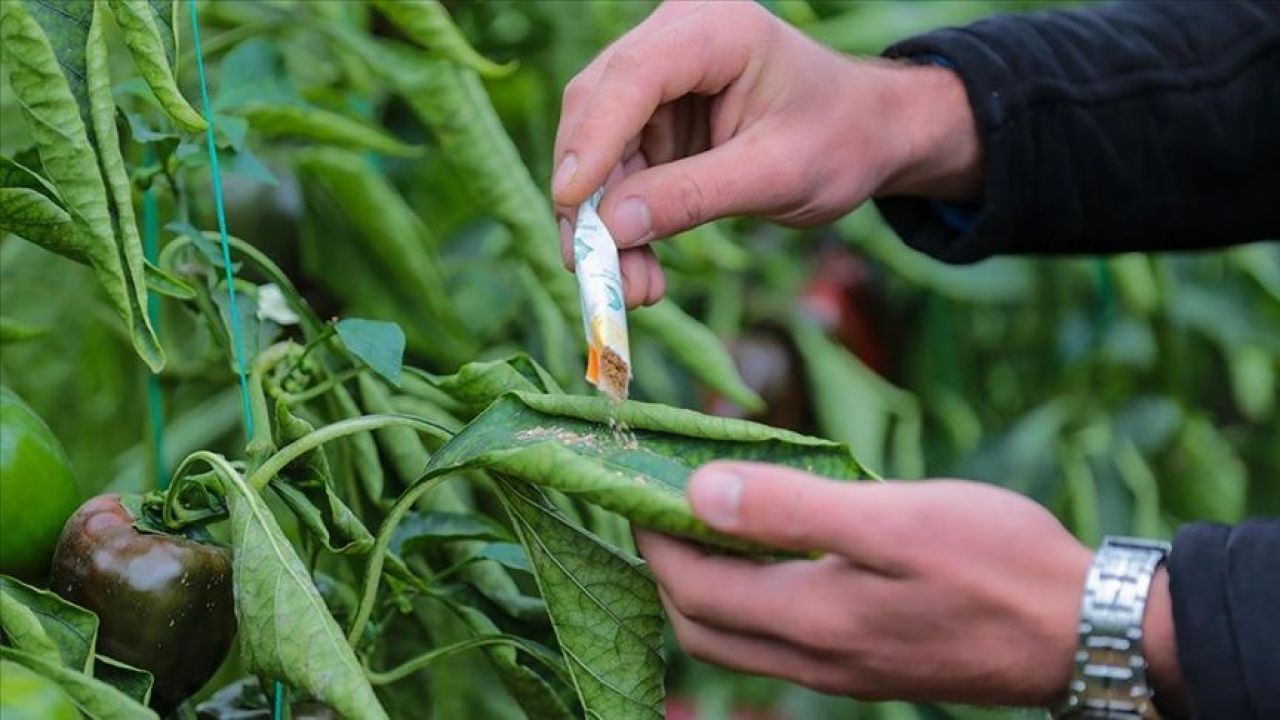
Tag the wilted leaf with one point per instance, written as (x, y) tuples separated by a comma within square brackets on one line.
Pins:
[(323, 126), (147, 27), (695, 347), (427, 23), (629, 457), (285, 629), (94, 698), (306, 487), (56, 63), (68, 629)]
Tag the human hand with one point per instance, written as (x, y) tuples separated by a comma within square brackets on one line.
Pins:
[(940, 590), (706, 110)]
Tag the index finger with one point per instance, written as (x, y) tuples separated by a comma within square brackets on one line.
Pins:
[(690, 55)]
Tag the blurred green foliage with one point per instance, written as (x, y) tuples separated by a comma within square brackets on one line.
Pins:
[(1128, 394)]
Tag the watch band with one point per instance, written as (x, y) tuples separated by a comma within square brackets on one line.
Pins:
[(1110, 679)]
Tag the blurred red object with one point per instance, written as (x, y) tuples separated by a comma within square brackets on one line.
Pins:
[(770, 366), (839, 296), (683, 709)]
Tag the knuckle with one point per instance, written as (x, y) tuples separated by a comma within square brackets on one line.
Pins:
[(694, 605), (575, 91), (692, 201), (625, 61)]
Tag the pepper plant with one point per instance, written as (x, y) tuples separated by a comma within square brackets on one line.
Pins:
[(430, 519), (430, 513)]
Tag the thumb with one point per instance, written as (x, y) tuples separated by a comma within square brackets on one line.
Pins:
[(666, 199), (780, 507)]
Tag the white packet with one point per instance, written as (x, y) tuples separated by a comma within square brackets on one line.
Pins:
[(604, 309)]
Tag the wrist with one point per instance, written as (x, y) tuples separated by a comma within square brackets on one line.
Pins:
[(1161, 648), (937, 152)]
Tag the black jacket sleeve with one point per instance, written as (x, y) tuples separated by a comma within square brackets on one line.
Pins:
[(1225, 585), (1129, 126)]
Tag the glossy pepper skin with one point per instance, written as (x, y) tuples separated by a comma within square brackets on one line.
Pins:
[(38, 490), (164, 603)]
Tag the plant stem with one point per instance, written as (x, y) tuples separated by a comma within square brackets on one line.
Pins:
[(328, 332), (411, 666), (316, 391), (377, 556), (262, 442), (314, 439)]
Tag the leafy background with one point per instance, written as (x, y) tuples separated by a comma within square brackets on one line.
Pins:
[(1128, 394)]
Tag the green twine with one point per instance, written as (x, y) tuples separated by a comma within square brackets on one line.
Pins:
[(155, 397), (237, 333)]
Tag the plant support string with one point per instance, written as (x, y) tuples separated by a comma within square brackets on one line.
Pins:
[(237, 332)]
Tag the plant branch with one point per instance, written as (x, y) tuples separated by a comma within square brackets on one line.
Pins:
[(314, 439), (377, 556), (384, 677)]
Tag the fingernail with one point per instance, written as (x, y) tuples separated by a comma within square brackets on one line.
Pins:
[(714, 495), (566, 241), (631, 223), (564, 173)]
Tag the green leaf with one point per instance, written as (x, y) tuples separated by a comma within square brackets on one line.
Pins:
[(1253, 379), (148, 30), (16, 331), (306, 487), (31, 209), (534, 694), (36, 218), (604, 607), (452, 102), (286, 631), (120, 191), (408, 457), (378, 344), (127, 679), (698, 349), (363, 448), (68, 629), (856, 406), (323, 126), (506, 554), (394, 236), (167, 284), (253, 72), (632, 458), (94, 698), (63, 95), (477, 384), (419, 530), (1210, 481), (427, 23), (23, 630)]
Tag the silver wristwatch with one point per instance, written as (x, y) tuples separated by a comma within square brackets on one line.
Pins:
[(1110, 680)]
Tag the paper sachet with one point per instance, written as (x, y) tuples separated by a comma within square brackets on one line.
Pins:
[(604, 311)]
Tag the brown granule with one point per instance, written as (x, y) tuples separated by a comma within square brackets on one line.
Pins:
[(615, 375)]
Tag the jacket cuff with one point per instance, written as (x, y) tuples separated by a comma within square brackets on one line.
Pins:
[(986, 78), (1202, 622)]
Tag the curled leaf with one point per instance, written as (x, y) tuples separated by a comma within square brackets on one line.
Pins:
[(286, 630), (427, 23), (148, 29), (62, 107), (629, 457), (323, 126)]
